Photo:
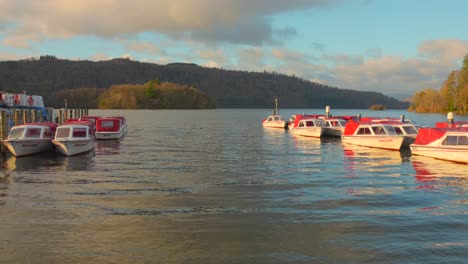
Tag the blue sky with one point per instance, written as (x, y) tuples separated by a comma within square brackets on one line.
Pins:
[(391, 46)]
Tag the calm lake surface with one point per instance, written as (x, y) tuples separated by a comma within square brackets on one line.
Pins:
[(213, 186)]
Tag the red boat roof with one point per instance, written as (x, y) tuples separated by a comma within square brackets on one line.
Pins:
[(78, 122), (427, 135), (455, 124)]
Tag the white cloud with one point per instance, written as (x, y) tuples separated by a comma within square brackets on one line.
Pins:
[(143, 47), (215, 58), (234, 21), (444, 49), (375, 71)]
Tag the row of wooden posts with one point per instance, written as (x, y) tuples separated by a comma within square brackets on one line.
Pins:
[(15, 117)]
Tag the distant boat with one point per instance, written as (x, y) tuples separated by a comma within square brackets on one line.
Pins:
[(275, 120), (374, 135), (111, 127), (442, 143), (74, 137), (30, 138)]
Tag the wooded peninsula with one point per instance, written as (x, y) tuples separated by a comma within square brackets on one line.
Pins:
[(452, 96), (89, 84)]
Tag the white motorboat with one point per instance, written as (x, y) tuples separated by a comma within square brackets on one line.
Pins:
[(442, 143), (73, 138), (111, 127), (307, 127), (374, 135), (30, 138), (275, 120)]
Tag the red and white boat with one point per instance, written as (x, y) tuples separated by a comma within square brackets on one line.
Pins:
[(74, 137), (111, 127), (374, 135), (442, 143), (275, 120), (30, 138), (307, 127)]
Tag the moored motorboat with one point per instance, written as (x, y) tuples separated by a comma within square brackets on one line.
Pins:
[(275, 120), (307, 127), (110, 127), (374, 135), (73, 138), (30, 138), (442, 143)]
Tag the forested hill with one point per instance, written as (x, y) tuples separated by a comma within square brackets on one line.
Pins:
[(228, 88)]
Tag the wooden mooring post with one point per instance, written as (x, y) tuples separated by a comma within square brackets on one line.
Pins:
[(3, 130)]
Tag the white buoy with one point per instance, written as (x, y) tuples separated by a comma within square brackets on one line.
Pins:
[(327, 111)]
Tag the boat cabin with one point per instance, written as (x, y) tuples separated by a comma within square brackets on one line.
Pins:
[(74, 130), (368, 129), (309, 123), (33, 131)]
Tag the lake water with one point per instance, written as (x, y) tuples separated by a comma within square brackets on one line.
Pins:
[(213, 186)]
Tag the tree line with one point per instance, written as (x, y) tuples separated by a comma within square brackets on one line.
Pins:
[(48, 75), (452, 96)]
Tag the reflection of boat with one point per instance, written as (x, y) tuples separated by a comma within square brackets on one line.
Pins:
[(307, 127), (373, 155), (30, 138), (429, 169), (74, 138), (275, 120), (30, 163), (78, 162), (110, 127), (374, 135), (107, 147), (442, 143)]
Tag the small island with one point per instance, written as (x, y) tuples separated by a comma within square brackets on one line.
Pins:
[(151, 95), (377, 107)]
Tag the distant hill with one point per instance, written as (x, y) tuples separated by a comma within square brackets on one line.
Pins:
[(228, 88)]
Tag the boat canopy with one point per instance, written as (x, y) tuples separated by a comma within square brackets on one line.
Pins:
[(109, 124), (427, 135), (455, 124)]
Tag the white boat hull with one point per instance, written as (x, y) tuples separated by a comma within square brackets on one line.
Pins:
[(450, 153), (73, 147), (110, 135), (383, 142), (333, 132), (308, 131), (274, 124), (28, 147)]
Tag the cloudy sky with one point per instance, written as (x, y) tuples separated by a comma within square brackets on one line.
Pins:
[(395, 47)]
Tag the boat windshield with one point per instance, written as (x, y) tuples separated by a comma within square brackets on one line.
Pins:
[(410, 130), (33, 132), (391, 130), (461, 140), (62, 132), (310, 123), (16, 133), (378, 130), (79, 132)]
